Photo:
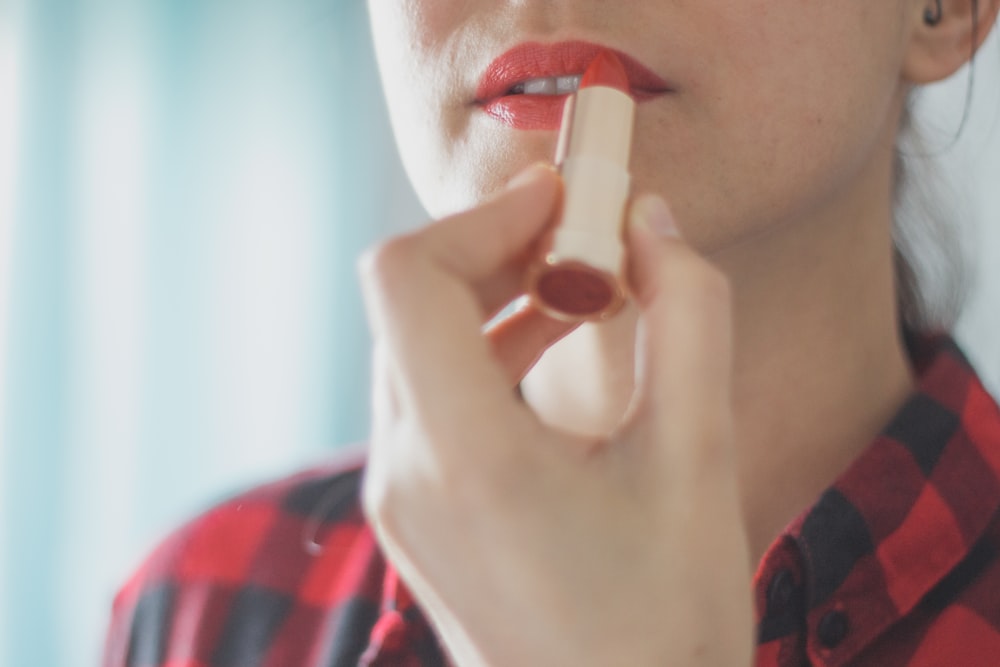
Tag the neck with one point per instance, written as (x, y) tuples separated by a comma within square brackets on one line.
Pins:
[(820, 366)]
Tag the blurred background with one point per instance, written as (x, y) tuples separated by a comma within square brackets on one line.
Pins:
[(184, 187)]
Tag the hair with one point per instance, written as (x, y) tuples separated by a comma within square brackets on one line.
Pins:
[(931, 264)]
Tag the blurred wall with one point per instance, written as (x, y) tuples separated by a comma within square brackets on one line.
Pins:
[(184, 187)]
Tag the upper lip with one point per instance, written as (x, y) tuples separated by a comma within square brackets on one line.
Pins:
[(533, 60)]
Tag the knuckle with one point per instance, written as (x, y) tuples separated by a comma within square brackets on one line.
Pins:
[(385, 264)]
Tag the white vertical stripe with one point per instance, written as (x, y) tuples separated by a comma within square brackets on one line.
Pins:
[(11, 26), (107, 283), (266, 216), (10, 106)]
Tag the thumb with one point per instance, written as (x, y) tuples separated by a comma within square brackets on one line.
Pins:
[(684, 354)]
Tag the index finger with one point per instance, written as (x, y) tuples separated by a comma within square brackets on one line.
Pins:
[(425, 298)]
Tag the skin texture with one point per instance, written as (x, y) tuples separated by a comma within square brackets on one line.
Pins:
[(763, 342)]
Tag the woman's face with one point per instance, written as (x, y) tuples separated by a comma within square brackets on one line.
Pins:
[(777, 110)]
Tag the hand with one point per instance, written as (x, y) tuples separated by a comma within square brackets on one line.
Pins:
[(524, 545)]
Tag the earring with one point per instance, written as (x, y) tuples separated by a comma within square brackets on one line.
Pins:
[(932, 17)]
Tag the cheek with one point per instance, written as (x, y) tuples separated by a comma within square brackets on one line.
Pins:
[(455, 172), (412, 40), (780, 121), (399, 30), (406, 42)]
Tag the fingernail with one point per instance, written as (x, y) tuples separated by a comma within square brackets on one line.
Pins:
[(653, 212), (529, 175)]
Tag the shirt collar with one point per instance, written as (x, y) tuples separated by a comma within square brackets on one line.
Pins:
[(906, 512)]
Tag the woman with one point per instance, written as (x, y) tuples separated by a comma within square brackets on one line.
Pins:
[(763, 405)]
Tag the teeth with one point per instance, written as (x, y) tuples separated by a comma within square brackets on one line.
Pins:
[(540, 87), (568, 84), (552, 85)]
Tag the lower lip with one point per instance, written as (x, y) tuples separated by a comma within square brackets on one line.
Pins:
[(527, 112), (536, 112)]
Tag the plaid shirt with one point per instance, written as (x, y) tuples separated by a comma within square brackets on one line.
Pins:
[(895, 565)]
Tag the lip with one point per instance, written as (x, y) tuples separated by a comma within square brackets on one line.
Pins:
[(532, 60)]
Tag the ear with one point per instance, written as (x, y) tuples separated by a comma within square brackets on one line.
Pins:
[(938, 50)]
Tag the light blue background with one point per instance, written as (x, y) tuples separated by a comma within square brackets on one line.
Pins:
[(184, 187)]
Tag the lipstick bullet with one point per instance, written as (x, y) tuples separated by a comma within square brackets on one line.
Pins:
[(580, 275)]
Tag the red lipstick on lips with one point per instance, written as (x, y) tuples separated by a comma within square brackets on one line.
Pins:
[(498, 96)]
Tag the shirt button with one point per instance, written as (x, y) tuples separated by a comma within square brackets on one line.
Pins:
[(780, 593), (832, 629)]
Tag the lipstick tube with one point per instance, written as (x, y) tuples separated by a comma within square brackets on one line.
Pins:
[(580, 275)]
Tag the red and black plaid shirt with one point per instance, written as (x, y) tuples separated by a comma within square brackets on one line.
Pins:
[(895, 565)]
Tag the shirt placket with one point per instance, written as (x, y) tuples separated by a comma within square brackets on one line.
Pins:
[(400, 630)]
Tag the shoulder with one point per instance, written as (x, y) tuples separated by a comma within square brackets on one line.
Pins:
[(292, 515), (289, 552)]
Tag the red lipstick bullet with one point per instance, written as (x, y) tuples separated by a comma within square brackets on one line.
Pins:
[(606, 70)]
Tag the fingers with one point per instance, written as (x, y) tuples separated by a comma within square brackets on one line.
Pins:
[(685, 351), (385, 403), (428, 293), (486, 247), (519, 340)]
